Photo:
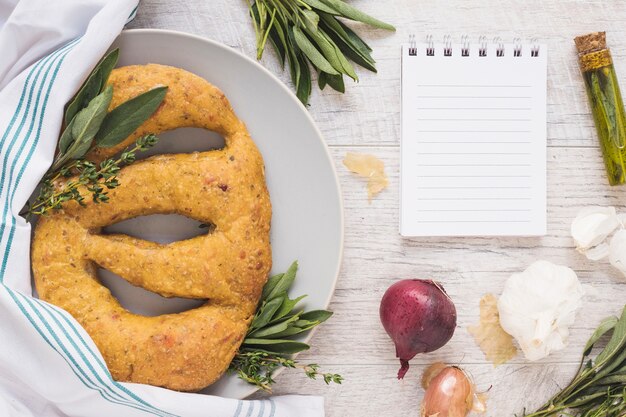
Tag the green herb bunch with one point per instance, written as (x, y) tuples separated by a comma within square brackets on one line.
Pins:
[(305, 32), (599, 387), (89, 124), (269, 344)]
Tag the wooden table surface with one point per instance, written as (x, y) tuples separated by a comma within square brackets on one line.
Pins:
[(367, 119)]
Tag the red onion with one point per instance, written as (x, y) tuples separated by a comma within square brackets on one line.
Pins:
[(419, 317)]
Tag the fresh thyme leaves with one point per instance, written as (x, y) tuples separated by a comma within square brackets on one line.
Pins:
[(305, 32), (268, 343), (258, 367), (89, 124), (599, 387), (73, 179)]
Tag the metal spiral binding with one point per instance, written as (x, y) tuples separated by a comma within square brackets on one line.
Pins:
[(447, 45), (412, 45), (465, 45), (499, 46), (482, 49), (430, 49), (534, 49), (517, 47), (483, 45)]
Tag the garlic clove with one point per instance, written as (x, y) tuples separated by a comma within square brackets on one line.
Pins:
[(591, 227), (598, 252), (617, 251)]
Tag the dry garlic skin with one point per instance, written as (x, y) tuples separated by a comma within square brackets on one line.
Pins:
[(538, 305)]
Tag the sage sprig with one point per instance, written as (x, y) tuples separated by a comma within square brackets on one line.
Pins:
[(269, 342), (599, 387), (308, 32), (89, 124)]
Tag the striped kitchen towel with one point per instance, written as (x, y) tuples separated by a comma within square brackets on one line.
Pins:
[(49, 367)]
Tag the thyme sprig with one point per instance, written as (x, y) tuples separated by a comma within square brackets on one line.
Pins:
[(269, 345), (308, 32), (599, 387), (57, 189), (258, 367)]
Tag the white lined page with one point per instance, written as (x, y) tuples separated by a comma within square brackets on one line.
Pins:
[(473, 143)]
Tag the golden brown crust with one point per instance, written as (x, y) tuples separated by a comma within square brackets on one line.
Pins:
[(190, 350)]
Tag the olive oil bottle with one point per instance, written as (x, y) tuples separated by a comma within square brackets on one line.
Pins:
[(606, 102)]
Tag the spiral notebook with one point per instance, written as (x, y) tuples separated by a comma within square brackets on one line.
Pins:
[(473, 139)]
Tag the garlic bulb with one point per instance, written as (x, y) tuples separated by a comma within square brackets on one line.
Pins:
[(617, 251), (538, 305), (591, 227)]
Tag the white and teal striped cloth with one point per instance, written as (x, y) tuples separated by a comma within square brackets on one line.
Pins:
[(49, 367)]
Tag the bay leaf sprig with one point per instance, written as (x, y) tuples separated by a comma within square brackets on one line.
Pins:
[(268, 343), (89, 124), (599, 386), (310, 32)]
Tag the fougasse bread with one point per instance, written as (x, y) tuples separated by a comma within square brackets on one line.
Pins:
[(228, 267)]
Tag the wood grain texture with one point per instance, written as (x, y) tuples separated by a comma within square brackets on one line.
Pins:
[(366, 119)]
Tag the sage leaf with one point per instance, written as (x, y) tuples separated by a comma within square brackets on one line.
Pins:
[(265, 313), (316, 315), (615, 344), (311, 19), (284, 346), (291, 331), (93, 86), (345, 65), (287, 306), (285, 282), (66, 138), (358, 52), (317, 4), (87, 122), (270, 330), (352, 13), (270, 285), (346, 34), (312, 53), (128, 116), (605, 326), (303, 90), (336, 82)]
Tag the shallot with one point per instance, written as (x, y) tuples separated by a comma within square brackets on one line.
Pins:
[(449, 393), (419, 317)]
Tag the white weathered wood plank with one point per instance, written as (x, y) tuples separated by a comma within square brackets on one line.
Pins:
[(366, 119)]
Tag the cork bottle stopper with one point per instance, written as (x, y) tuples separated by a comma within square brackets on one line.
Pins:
[(590, 42)]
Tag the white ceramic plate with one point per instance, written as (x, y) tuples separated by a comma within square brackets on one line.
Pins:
[(307, 222)]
